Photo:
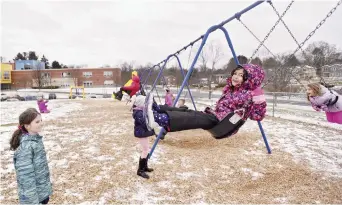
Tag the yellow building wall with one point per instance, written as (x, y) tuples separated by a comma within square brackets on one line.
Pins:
[(6, 73)]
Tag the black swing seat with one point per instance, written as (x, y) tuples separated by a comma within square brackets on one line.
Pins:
[(226, 127)]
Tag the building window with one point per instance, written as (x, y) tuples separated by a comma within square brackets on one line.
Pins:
[(88, 83), (87, 74), (107, 73), (65, 75), (108, 82), (6, 75)]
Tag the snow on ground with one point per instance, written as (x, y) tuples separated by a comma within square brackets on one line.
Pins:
[(308, 135), (10, 111), (298, 130)]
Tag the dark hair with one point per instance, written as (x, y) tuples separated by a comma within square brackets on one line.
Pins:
[(245, 73), (25, 118)]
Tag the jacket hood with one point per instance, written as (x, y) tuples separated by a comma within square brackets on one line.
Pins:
[(255, 77), (136, 79)]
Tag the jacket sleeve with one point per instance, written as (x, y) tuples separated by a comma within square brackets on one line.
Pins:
[(26, 176), (256, 75), (316, 107), (258, 111), (324, 99), (133, 86)]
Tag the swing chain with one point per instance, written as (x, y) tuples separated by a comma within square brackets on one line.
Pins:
[(257, 38), (309, 36), (271, 30), (317, 27), (287, 28)]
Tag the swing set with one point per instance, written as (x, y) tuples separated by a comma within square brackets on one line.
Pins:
[(231, 122)]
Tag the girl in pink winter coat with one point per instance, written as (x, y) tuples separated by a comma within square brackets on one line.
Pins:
[(169, 98), (42, 105), (321, 98), (242, 92)]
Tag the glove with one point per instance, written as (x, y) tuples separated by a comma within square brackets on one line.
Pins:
[(324, 108)]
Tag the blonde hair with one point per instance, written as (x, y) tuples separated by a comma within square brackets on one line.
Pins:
[(316, 87)]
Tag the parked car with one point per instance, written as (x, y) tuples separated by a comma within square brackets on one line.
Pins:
[(52, 96), (3, 97)]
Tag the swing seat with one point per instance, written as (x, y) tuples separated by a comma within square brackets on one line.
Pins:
[(228, 126)]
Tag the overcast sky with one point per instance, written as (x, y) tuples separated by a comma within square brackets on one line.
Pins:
[(110, 32)]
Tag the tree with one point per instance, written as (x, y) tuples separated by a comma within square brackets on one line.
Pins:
[(242, 59), (19, 57), (55, 64), (46, 61), (25, 54), (231, 65), (38, 77), (270, 63), (32, 55), (75, 73), (291, 61), (256, 61), (126, 70), (319, 54), (212, 53)]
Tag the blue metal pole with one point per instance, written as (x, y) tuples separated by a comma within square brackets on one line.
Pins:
[(187, 84), (264, 137), (238, 14), (160, 72), (237, 63)]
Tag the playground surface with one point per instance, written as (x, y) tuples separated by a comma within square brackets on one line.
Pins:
[(93, 158)]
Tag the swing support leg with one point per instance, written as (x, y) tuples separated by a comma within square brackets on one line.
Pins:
[(264, 137), (161, 133)]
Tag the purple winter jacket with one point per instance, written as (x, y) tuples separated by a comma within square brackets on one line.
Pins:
[(328, 101), (235, 98), (42, 105)]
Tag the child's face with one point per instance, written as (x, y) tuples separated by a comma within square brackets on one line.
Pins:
[(35, 126), (310, 92), (237, 77), (180, 103)]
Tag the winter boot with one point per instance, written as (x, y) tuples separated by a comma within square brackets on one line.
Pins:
[(146, 169), (141, 169), (118, 95)]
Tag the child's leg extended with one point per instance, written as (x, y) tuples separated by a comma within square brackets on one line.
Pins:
[(144, 146), (162, 119), (179, 121)]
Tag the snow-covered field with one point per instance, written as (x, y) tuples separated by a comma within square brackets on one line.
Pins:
[(82, 140)]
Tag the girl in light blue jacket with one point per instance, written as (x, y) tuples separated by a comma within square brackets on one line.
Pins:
[(32, 170)]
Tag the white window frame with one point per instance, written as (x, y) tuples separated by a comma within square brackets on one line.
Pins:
[(87, 83), (87, 74), (108, 73), (66, 74)]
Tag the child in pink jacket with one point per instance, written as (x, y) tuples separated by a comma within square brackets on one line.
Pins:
[(321, 98), (42, 105)]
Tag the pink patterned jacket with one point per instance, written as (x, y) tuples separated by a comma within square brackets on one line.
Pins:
[(241, 98)]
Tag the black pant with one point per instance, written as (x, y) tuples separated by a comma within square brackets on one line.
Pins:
[(45, 201), (119, 94), (190, 119), (164, 108)]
